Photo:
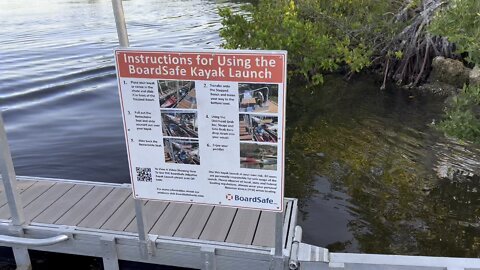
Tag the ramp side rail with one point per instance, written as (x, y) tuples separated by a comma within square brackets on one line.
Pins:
[(309, 257)]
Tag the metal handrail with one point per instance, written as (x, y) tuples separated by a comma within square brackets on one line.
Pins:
[(15, 240)]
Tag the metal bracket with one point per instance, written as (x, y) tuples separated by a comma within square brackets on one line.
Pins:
[(209, 258), (16, 230), (148, 246), (151, 244), (68, 231), (110, 258)]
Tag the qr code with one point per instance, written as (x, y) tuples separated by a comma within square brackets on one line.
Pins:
[(144, 174)]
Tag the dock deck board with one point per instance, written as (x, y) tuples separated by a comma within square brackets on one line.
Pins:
[(40, 204), (155, 210), (63, 204), (219, 224), (113, 208), (4, 210), (35, 191), (194, 222), (102, 212), (264, 236), (122, 216), (27, 197), (243, 227), (170, 220), (80, 210)]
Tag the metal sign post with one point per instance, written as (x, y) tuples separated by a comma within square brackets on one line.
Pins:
[(278, 260), (248, 72), (9, 180), (145, 242)]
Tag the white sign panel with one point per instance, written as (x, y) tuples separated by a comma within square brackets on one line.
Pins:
[(205, 127)]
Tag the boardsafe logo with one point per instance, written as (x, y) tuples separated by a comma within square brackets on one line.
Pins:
[(259, 199)]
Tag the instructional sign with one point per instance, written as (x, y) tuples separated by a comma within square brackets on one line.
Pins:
[(205, 127)]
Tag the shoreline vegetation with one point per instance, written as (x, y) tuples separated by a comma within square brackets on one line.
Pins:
[(428, 45)]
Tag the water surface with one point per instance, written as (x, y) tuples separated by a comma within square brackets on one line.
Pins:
[(371, 173)]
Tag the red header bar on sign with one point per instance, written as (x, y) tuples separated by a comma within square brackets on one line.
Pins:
[(268, 68)]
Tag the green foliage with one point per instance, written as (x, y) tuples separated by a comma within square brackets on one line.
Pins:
[(462, 120), (320, 36), (367, 22), (460, 23)]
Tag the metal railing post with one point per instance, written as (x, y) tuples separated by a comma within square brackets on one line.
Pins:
[(278, 259), (120, 22), (10, 179), (14, 201), (145, 245)]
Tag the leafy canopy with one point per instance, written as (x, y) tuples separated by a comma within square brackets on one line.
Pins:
[(320, 36), (460, 23)]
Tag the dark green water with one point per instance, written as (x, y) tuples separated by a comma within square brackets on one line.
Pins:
[(373, 175)]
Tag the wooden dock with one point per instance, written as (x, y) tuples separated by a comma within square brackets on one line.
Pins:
[(110, 207), (99, 214)]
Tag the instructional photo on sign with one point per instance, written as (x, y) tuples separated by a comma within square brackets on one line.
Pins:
[(179, 123), (181, 151), (260, 128), (205, 127), (258, 156), (177, 94), (256, 97)]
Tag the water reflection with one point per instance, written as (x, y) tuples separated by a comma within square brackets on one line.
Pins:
[(58, 84), (365, 165)]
